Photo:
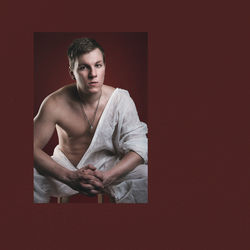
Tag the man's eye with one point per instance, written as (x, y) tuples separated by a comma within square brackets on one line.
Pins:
[(82, 67), (98, 65)]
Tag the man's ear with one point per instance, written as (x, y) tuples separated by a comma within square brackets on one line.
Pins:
[(71, 74)]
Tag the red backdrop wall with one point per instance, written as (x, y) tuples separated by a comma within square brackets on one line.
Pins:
[(126, 65)]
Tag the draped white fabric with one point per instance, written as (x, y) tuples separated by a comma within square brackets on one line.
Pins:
[(119, 131)]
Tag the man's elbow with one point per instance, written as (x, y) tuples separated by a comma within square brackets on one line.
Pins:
[(36, 147)]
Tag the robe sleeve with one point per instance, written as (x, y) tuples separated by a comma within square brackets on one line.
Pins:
[(132, 136)]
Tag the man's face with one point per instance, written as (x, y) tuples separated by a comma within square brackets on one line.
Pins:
[(89, 71)]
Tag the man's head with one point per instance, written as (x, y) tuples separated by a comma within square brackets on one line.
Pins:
[(87, 65), (82, 46)]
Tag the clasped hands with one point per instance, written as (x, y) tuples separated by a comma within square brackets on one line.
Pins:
[(88, 180)]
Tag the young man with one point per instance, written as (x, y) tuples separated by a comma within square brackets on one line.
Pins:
[(102, 143)]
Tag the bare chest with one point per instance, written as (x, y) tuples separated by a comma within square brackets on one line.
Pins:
[(74, 132), (76, 123)]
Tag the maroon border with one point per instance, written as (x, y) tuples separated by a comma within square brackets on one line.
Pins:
[(198, 109)]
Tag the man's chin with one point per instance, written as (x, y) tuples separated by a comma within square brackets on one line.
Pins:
[(94, 89)]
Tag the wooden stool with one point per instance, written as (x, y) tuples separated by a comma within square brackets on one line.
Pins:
[(65, 199)]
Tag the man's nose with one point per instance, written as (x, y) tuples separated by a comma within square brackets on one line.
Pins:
[(92, 72)]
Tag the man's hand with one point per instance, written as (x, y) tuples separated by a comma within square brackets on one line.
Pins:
[(106, 177), (86, 181)]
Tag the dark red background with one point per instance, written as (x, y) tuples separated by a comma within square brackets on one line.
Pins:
[(198, 115)]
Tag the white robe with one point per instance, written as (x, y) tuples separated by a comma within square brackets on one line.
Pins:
[(119, 131)]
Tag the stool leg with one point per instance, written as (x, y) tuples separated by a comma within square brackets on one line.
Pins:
[(62, 199), (99, 198)]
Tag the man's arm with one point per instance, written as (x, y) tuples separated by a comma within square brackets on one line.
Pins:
[(123, 167), (82, 180), (131, 141)]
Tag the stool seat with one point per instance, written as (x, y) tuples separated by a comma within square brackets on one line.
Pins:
[(100, 199)]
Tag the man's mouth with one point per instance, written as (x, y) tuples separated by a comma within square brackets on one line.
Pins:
[(93, 82)]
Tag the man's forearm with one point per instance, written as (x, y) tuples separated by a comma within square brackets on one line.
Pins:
[(47, 166), (130, 161)]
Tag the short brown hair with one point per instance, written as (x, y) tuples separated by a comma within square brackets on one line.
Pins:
[(81, 46)]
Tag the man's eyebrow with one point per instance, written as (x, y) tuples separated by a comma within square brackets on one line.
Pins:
[(85, 64), (80, 64)]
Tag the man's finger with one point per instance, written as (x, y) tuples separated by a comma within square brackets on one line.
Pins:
[(89, 171), (90, 166), (94, 192), (86, 178), (99, 174), (97, 184), (86, 186)]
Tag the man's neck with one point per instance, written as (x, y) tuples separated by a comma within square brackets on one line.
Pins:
[(89, 99)]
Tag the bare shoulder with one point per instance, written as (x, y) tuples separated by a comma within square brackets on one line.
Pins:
[(62, 95), (108, 91), (56, 101)]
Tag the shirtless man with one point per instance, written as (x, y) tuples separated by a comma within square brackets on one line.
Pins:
[(75, 111)]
